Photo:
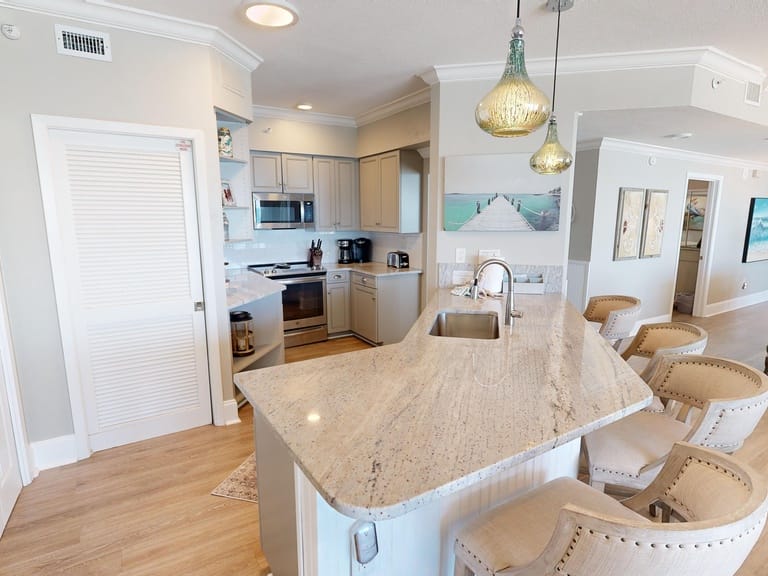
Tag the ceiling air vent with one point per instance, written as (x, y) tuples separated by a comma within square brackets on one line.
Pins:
[(83, 43), (752, 93)]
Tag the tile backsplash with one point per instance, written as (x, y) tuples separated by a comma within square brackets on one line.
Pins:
[(552, 275), (269, 246)]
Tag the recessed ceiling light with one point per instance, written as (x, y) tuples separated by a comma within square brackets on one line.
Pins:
[(272, 13), (304, 106)]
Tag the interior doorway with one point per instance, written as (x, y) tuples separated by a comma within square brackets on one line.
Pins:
[(696, 240)]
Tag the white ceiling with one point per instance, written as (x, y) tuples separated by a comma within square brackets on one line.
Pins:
[(348, 57)]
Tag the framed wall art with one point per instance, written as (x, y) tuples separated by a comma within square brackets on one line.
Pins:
[(499, 193), (756, 241), (629, 223), (653, 223)]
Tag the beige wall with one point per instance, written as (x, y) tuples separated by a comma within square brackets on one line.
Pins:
[(406, 129), (456, 133), (294, 137), (583, 212), (151, 81), (653, 280)]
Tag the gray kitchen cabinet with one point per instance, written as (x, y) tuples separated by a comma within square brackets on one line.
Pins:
[(365, 312), (384, 307), (336, 195), (276, 172), (337, 302), (390, 192)]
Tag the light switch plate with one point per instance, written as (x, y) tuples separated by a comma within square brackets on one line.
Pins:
[(461, 255)]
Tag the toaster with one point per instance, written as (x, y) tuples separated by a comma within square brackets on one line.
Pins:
[(397, 259)]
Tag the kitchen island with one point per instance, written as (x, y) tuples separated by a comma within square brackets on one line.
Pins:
[(420, 436)]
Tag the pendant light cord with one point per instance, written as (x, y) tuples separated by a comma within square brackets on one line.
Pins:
[(557, 46), (518, 8)]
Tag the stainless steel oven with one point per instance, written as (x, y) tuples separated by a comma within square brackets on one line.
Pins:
[(304, 311)]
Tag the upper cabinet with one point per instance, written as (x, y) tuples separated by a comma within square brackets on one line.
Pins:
[(233, 169), (336, 197), (275, 172), (390, 192)]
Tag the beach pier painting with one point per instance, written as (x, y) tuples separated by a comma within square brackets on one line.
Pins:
[(499, 193)]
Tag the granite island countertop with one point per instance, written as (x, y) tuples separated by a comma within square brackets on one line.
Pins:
[(245, 286), (381, 432)]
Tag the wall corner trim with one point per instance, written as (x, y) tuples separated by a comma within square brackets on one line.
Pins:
[(229, 412), (54, 452)]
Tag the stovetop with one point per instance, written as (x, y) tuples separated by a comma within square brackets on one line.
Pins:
[(286, 270)]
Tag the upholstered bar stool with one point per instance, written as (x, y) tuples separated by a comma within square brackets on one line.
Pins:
[(653, 341), (712, 402), (713, 510), (615, 314)]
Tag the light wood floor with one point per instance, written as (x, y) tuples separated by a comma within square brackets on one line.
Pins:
[(146, 508)]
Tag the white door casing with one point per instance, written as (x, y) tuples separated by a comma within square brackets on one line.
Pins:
[(704, 274), (10, 448), (120, 209)]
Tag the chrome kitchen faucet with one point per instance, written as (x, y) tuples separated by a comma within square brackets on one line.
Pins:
[(509, 310)]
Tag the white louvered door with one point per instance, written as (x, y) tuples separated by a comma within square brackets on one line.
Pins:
[(126, 218), (10, 474)]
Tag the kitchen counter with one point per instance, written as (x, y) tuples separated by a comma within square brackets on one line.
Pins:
[(245, 286), (373, 268), (383, 431), (421, 435)]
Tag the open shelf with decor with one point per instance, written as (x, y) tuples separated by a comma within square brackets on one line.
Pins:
[(233, 168)]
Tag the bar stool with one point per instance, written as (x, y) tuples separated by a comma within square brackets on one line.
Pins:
[(711, 402), (713, 509), (615, 314)]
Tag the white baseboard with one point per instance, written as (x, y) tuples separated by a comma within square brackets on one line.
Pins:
[(735, 303), (229, 410), (53, 452)]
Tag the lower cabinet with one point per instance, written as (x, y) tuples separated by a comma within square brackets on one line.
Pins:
[(384, 307), (337, 302), (364, 312)]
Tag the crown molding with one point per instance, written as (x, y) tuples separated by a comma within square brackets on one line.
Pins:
[(106, 13), (615, 144), (707, 57), (407, 102), (418, 98), (299, 116)]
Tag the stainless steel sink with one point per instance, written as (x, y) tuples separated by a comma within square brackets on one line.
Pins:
[(483, 325)]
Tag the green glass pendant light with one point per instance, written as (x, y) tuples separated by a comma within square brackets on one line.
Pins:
[(552, 157), (515, 106)]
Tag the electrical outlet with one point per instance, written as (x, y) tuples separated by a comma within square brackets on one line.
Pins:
[(483, 255), (461, 255)]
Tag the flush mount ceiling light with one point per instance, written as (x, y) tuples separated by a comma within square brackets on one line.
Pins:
[(552, 158), (515, 106), (271, 13), (304, 106)]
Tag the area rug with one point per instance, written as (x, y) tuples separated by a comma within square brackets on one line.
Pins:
[(241, 484)]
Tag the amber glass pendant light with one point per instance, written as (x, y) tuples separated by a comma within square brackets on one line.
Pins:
[(552, 158), (515, 106)]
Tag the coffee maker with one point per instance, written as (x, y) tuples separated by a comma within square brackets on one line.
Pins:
[(345, 250), (361, 250)]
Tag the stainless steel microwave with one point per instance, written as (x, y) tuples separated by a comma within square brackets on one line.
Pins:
[(275, 211)]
